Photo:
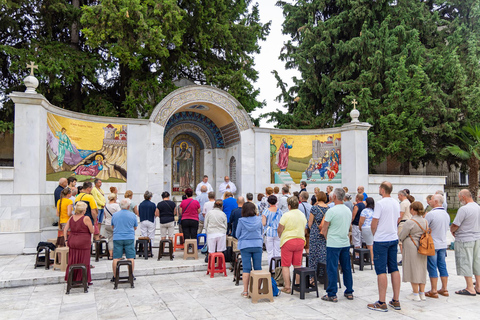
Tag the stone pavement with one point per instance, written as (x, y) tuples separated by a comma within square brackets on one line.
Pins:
[(180, 294)]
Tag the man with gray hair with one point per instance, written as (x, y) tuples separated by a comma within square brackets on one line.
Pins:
[(466, 230), (335, 229), (444, 204), (282, 202), (438, 221), (147, 211), (124, 223)]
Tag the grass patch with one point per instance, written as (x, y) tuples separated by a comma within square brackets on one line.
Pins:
[(452, 213)]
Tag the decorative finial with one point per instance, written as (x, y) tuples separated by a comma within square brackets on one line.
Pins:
[(32, 66), (30, 81), (354, 114)]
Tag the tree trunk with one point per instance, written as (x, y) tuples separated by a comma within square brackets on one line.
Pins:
[(473, 165), (405, 168)]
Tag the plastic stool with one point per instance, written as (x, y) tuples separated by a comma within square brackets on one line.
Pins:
[(260, 285), (128, 279), (237, 271), (324, 278), (200, 236), (363, 254), (177, 245), (305, 274), (143, 247), (43, 261), (275, 262), (161, 249), (101, 249), (60, 261), (190, 250), (305, 255), (216, 264), (75, 284)]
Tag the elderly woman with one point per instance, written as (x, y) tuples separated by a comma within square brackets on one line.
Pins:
[(250, 241), (167, 212), (414, 264), (264, 203), (291, 231), (270, 219), (79, 241), (110, 208), (216, 226), (365, 222), (318, 243), (189, 209), (133, 206)]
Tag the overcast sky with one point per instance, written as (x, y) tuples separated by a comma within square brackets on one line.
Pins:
[(268, 60)]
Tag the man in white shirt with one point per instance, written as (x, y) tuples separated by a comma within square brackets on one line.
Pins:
[(227, 186), (282, 202), (204, 182), (385, 242), (202, 199), (439, 222), (208, 205)]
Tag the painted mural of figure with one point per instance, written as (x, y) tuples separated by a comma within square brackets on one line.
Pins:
[(282, 155), (334, 156), (63, 144), (185, 161), (333, 170), (91, 169), (323, 168), (312, 166)]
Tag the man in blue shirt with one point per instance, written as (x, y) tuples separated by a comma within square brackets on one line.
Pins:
[(361, 190), (228, 205), (124, 224), (236, 214), (147, 211)]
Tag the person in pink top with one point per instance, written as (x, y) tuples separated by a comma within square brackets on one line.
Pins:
[(189, 209)]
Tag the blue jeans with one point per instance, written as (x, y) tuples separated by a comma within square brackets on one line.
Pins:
[(100, 215), (249, 254), (437, 261), (385, 255), (333, 256)]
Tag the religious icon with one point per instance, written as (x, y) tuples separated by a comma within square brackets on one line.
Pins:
[(91, 169), (63, 144), (282, 155), (184, 165)]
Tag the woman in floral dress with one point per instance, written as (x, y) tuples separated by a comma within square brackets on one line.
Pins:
[(318, 243)]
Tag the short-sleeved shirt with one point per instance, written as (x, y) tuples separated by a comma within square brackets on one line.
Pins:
[(340, 218), (273, 219), (207, 207), (228, 205), (405, 207), (123, 223), (167, 211), (365, 196), (368, 214), (387, 211), (57, 194), (294, 222), (110, 209), (146, 210), (360, 207), (191, 211), (63, 210), (90, 201), (468, 222), (234, 216), (439, 222), (202, 199), (305, 207)]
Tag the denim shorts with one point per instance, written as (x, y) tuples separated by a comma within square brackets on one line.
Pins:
[(100, 215), (385, 256), (121, 246), (437, 262)]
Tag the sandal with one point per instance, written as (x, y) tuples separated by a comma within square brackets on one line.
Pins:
[(431, 294), (349, 296), (443, 293), (244, 294), (287, 291), (465, 292), (331, 299)]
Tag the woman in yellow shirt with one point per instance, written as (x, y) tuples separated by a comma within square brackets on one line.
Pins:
[(64, 211)]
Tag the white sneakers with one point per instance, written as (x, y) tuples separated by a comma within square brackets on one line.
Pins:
[(422, 296), (414, 297)]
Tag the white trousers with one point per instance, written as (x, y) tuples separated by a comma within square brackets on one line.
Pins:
[(147, 229), (356, 236), (216, 243), (273, 247)]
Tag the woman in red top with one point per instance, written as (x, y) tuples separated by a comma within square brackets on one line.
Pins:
[(189, 209)]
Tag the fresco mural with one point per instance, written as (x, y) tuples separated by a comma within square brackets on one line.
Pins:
[(87, 150), (312, 158), (186, 163)]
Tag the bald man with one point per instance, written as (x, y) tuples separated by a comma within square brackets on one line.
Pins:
[(62, 184)]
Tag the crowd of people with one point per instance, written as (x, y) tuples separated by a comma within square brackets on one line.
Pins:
[(325, 225)]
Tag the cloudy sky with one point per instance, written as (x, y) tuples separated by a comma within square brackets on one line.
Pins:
[(267, 60)]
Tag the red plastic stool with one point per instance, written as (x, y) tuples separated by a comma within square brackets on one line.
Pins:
[(175, 242), (216, 264)]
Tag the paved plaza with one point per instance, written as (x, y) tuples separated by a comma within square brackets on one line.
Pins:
[(181, 289)]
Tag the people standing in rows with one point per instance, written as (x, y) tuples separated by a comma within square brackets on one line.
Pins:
[(305, 207), (216, 227), (404, 213), (64, 212), (249, 197), (62, 184), (74, 192), (208, 205), (318, 243), (282, 202), (444, 204), (110, 208), (270, 220), (439, 222), (250, 241), (328, 191), (260, 196), (227, 185), (348, 200), (204, 182), (237, 214), (361, 189), (189, 209), (91, 210), (276, 192), (313, 199), (147, 211), (291, 230), (99, 197), (429, 203), (264, 204), (228, 205), (72, 182), (303, 186), (357, 211), (133, 205), (385, 242), (466, 230), (335, 229), (202, 199), (124, 223), (365, 223), (414, 264), (167, 211)]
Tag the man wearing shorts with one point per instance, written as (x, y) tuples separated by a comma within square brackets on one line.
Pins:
[(466, 230), (124, 224), (385, 242)]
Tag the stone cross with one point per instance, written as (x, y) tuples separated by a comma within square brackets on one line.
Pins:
[(354, 102), (32, 66)]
